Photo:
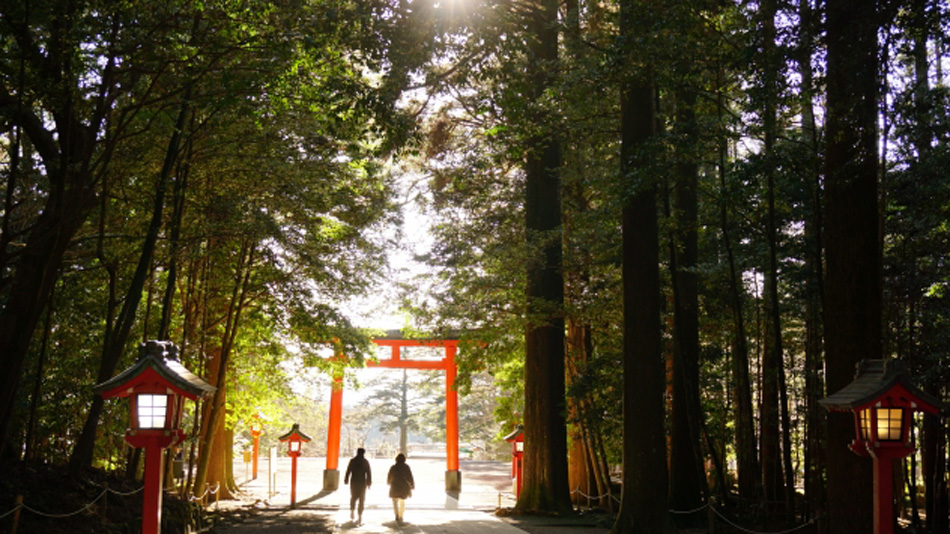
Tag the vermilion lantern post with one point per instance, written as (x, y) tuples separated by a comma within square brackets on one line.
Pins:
[(294, 439), (883, 400), (157, 385), (516, 438), (256, 434)]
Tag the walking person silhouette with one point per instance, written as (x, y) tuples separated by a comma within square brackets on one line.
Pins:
[(362, 478), (400, 485)]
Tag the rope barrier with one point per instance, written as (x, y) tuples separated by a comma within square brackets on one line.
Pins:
[(125, 494), (15, 508), (743, 529), (114, 492), (56, 516), (105, 490), (591, 497), (684, 512), (715, 511), (200, 497), (217, 487)]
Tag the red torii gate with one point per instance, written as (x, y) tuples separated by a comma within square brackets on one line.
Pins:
[(394, 340)]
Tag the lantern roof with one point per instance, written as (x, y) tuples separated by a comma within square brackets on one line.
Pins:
[(295, 434), (875, 379), (516, 434), (157, 366)]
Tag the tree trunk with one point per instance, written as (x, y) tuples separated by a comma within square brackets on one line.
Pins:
[(598, 468), (814, 388), (580, 472), (853, 254), (687, 481), (773, 368), (210, 445), (178, 211), (933, 448), (30, 438), (36, 274), (747, 464), (933, 453), (217, 476), (769, 406), (545, 426), (644, 504)]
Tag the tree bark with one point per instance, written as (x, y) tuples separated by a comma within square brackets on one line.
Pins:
[(813, 464), (643, 506), (30, 438), (687, 481), (210, 445), (582, 459), (773, 369), (178, 210), (580, 472), (545, 427), (852, 247)]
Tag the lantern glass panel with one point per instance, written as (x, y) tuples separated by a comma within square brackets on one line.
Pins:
[(519, 446), (865, 416), (889, 424), (294, 446), (151, 410)]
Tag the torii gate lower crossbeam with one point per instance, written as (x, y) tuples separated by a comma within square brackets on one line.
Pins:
[(453, 476)]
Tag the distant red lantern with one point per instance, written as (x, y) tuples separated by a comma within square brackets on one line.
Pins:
[(295, 438), (157, 386), (256, 430), (516, 438), (883, 400)]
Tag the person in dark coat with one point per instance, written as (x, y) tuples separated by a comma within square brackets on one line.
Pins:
[(362, 478), (400, 485)]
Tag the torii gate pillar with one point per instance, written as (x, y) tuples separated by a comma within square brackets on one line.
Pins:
[(453, 476), (331, 475)]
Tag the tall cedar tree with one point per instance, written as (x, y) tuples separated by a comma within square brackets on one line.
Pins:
[(644, 499), (582, 472), (813, 465), (687, 484), (545, 425), (852, 247), (774, 403)]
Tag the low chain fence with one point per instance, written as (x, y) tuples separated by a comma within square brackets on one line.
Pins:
[(99, 505)]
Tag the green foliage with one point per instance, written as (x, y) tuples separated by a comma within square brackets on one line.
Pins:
[(280, 156)]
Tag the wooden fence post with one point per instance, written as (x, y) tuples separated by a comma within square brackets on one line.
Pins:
[(16, 514)]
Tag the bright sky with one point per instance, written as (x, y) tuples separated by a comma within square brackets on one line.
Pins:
[(381, 308)]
